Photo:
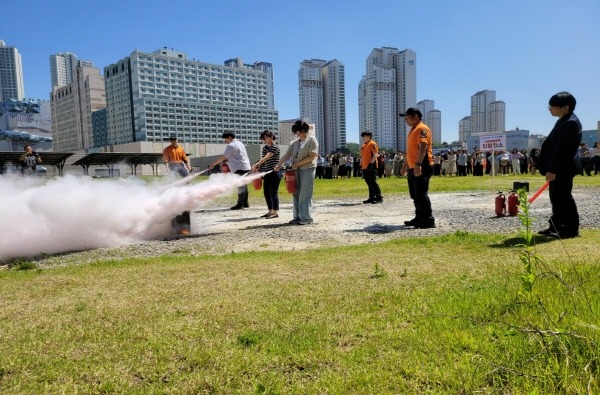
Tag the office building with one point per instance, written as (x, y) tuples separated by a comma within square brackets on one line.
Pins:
[(266, 68), (151, 96), (322, 98), (387, 89), (72, 108), (11, 73), (432, 118)]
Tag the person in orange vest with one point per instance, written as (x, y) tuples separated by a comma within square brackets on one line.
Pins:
[(177, 162), (418, 168), (369, 162)]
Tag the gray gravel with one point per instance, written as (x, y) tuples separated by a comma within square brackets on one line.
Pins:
[(218, 230)]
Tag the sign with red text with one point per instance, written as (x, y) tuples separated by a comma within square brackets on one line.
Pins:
[(495, 142)]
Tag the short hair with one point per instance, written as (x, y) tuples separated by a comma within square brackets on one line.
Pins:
[(300, 126), (228, 134), (267, 133), (562, 99), (25, 146), (366, 134)]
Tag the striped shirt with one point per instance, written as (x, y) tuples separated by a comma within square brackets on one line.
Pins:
[(273, 160)]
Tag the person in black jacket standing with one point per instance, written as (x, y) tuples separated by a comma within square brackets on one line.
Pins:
[(557, 162)]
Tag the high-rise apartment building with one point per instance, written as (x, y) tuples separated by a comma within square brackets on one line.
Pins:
[(266, 68), (151, 96), (322, 98), (72, 108), (387, 89), (432, 118), (464, 130), (11, 73), (487, 114), (63, 68)]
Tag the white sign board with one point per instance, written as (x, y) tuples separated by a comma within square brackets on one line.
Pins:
[(495, 142)]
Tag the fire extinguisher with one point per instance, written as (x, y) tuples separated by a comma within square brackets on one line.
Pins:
[(290, 181), (257, 183), (500, 204), (225, 168), (513, 203)]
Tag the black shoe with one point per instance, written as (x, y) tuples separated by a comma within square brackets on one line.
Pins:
[(369, 200), (564, 235), (425, 224), (246, 205), (412, 222), (377, 200), (236, 207), (547, 232)]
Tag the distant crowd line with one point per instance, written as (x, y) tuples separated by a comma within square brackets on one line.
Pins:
[(458, 163)]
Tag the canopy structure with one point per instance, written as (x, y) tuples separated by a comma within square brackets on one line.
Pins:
[(110, 159), (56, 159)]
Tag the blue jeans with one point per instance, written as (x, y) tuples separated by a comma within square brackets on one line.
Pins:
[(305, 185)]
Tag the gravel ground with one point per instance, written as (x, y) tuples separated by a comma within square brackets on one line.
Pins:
[(218, 230)]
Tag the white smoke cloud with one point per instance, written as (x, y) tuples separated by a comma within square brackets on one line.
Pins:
[(74, 213)]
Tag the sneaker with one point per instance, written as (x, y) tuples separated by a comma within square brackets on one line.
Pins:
[(236, 207), (305, 222), (294, 221), (412, 222)]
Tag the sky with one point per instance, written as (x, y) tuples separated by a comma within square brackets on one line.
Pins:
[(524, 50)]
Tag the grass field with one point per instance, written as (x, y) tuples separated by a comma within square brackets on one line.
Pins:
[(430, 315)]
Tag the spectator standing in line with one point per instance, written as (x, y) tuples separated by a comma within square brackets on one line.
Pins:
[(349, 164), (237, 158), (303, 153), (268, 161), (419, 168), (177, 162), (320, 167), (534, 157), (357, 168), (586, 159), (515, 160), (369, 162), (461, 163), (557, 163), (29, 160), (596, 158), (523, 162)]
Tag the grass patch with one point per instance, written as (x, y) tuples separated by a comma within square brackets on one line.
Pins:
[(430, 315)]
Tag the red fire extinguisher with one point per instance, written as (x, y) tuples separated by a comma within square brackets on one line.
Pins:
[(290, 181), (513, 203), (500, 205), (257, 183), (225, 168)]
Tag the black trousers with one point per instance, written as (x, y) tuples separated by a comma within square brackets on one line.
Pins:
[(271, 190), (565, 217), (370, 176), (243, 190), (418, 187)]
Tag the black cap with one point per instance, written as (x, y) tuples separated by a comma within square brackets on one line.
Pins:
[(412, 111)]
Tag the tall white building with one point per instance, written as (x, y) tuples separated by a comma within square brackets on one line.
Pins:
[(487, 114), (151, 96), (72, 108), (11, 73), (63, 68), (322, 98), (266, 68), (387, 89), (432, 118), (464, 130)]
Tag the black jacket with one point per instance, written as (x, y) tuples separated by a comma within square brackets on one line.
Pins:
[(560, 147)]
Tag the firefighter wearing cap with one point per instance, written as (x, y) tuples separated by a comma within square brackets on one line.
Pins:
[(418, 168)]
